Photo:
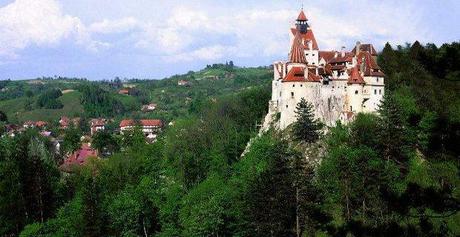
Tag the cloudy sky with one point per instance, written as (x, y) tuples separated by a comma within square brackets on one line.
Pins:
[(101, 39)]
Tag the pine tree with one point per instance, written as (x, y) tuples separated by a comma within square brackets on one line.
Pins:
[(306, 128), (393, 131)]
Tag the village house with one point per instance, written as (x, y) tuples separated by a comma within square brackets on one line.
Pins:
[(183, 83), (123, 92), (150, 127), (34, 124), (337, 84), (65, 122), (79, 157), (149, 107), (97, 125)]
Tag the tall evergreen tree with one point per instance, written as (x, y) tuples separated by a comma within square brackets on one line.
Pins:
[(306, 128), (392, 134)]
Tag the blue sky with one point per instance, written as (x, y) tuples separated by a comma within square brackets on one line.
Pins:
[(101, 39)]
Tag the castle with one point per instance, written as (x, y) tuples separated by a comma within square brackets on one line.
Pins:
[(339, 84)]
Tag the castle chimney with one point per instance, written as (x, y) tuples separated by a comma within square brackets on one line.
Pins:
[(342, 52)]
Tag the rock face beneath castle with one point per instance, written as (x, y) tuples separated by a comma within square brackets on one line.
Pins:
[(338, 84)]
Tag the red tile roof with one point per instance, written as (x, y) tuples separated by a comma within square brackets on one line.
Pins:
[(308, 36), (142, 122), (80, 156), (123, 91), (312, 75), (297, 54), (97, 122), (40, 123), (302, 16), (327, 55), (371, 68), (355, 76), (367, 48), (296, 74), (151, 122), (348, 57)]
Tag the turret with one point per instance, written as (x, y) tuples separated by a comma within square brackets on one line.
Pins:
[(301, 23)]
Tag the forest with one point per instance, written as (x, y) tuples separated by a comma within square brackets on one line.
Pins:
[(391, 174)]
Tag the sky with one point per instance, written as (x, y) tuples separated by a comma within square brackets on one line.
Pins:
[(153, 39)]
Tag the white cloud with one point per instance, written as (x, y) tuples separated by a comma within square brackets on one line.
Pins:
[(42, 23), (115, 26), (209, 53), (209, 32)]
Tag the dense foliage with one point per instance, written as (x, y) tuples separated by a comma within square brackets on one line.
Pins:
[(98, 102), (48, 99)]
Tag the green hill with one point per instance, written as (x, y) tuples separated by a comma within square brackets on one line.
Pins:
[(172, 99), (17, 112)]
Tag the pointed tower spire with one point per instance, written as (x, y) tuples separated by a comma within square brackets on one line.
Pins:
[(301, 22)]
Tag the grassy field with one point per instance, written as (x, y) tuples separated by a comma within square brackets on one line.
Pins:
[(16, 112)]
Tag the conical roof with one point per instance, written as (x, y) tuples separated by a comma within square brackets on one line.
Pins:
[(302, 16)]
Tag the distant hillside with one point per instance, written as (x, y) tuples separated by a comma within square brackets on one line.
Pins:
[(18, 98), (17, 112)]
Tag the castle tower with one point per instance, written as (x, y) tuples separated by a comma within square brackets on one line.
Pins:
[(301, 23)]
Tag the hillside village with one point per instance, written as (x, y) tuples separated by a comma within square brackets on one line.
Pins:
[(140, 113)]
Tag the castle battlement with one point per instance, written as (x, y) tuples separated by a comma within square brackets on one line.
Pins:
[(339, 84)]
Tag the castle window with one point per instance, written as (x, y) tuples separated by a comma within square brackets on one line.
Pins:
[(286, 106), (313, 55), (301, 85), (280, 93), (351, 108), (292, 94), (375, 92), (356, 92), (380, 92), (377, 79), (293, 85)]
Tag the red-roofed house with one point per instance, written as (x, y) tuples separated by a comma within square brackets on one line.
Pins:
[(97, 125), (79, 157), (148, 126), (123, 92)]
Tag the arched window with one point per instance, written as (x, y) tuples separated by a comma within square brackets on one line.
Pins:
[(356, 92)]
